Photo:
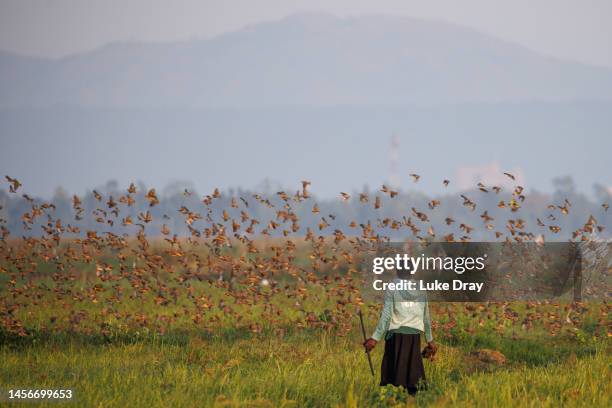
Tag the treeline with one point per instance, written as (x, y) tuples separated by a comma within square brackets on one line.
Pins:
[(481, 214)]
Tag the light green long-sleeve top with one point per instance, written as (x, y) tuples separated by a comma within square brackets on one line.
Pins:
[(404, 312)]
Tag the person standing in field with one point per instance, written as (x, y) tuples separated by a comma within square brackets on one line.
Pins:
[(404, 317)]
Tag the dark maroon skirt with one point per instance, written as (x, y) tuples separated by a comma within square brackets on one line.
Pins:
[(402, 363)]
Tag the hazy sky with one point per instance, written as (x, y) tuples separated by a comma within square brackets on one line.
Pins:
[(574, 29), (216, 150)]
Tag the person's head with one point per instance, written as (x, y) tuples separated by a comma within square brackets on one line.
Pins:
[(403, 274)]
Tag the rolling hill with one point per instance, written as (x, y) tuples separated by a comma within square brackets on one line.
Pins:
[(313, 60)]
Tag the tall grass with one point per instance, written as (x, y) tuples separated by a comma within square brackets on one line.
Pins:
[(304, 368)]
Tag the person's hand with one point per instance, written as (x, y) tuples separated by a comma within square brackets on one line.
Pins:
[(369, 344), (430, 350)]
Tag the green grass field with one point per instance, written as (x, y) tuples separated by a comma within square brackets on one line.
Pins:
[(309, 369)]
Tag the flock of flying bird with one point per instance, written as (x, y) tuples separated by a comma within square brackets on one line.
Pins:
[(231, 251)]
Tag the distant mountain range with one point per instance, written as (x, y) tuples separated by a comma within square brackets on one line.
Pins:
[(304, 60)]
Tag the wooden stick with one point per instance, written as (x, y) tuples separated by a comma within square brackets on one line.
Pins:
[(363, 331)]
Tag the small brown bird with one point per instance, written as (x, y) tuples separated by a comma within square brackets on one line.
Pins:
[(305, 184), (377, 202), (15, 184), (433, 204), (152, 198)]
